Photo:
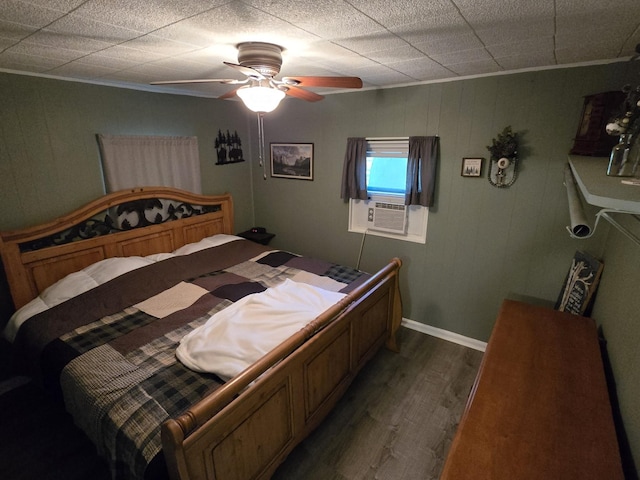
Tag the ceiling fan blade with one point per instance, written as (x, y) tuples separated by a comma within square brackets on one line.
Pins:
[(229, 94), (248, 71), (302, 94), (228, 81), (334, 82)]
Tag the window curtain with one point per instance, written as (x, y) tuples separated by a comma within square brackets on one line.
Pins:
[(139, 161), (354, 171), (421, 170)]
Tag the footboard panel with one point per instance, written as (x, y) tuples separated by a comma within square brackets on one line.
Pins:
[(249, 434)]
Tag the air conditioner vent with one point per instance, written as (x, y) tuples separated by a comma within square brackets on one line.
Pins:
[(390, 217)]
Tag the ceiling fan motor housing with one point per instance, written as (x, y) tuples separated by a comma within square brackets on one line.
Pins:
[(266, 58)]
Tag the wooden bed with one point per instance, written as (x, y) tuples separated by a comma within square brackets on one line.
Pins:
[(247, 427)]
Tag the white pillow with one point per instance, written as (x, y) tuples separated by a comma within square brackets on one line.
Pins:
[(208, 242), (105, 270), (72, 285)]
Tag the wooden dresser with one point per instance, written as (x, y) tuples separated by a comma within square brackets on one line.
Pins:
[(539, 408)]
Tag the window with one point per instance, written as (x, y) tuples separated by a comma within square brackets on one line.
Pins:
[(384, 213), (130, 161), (387, 166)]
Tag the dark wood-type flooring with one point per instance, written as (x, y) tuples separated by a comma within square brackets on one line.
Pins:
[(395, 422)]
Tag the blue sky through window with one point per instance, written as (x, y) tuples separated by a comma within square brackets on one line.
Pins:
[(387, 175)]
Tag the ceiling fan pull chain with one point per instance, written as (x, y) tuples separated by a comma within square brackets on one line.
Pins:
[(261, 145)]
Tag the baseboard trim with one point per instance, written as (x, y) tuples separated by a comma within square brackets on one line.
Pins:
[(445, 335)]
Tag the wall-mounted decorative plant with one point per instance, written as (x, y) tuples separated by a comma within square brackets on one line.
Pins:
[(503, 167), (229, 148)]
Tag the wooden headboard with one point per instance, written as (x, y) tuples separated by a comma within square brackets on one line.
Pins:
[(140, 221)]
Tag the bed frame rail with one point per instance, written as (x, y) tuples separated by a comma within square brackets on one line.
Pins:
[(248, 438)]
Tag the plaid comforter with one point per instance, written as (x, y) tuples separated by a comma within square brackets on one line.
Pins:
[(114, 363)]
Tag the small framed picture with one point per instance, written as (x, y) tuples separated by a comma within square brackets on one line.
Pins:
[(471, 167), (292, 160)]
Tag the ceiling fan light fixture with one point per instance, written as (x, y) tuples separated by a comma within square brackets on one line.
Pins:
[(260, 99)]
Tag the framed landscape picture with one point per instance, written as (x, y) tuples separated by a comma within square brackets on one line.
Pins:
[(292, 160)]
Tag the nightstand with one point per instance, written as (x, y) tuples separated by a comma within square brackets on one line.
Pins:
[(261, 238)]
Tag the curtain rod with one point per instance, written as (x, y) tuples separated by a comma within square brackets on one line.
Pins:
[(386, 138), (379, 139)]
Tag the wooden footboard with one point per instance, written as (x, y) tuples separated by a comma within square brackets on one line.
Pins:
[(246, 428)]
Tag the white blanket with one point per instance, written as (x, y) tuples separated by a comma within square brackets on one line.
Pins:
[(237, 336)]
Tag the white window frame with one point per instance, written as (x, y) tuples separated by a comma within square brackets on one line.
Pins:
[(360, 220)]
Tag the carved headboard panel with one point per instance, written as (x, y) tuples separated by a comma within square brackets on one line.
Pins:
[(140, 221)]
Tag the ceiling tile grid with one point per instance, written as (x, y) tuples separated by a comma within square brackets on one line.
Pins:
[(133, 42)]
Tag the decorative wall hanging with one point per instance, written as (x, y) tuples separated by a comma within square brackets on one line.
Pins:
[(229, 148), (503, 167), (292, 160), (471, 167), (624, 159)]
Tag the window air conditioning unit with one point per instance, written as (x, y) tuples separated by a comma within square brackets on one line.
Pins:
[(390, 217)]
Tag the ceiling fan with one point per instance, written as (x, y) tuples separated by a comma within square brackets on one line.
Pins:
[(260, 91)]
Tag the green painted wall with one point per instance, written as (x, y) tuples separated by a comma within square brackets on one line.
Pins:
[(617, 311), (483, 243), (49, 158)]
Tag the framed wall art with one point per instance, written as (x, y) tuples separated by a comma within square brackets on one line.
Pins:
[(292, 160), (471, 167)]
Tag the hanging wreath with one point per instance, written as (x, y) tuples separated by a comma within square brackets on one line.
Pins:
[(504, 153)]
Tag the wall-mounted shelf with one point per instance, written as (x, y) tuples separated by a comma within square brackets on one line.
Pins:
[(600, 190), (607, 193)]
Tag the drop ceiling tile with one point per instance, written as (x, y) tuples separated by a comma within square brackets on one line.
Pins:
[(402, 12), (625, 24), (596, 7), (374, 39), (327, 19), (406, 52), (432, 28), (60, 40), (582, 54), (503, 12), (146, 74), (187, 70), (59, 54), (62, 5), (143, 15), (80, 70), (421, 71), (130, 54), (27, 14), (327, 55), (447, 43), (6, 43), (158, 45), (522, 48), (15, 31), (475, 67), (388, 78), (373, 42), (531, 60), (517, 31), (108, 60), (30, 63), (81, 28), (462, 56)]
